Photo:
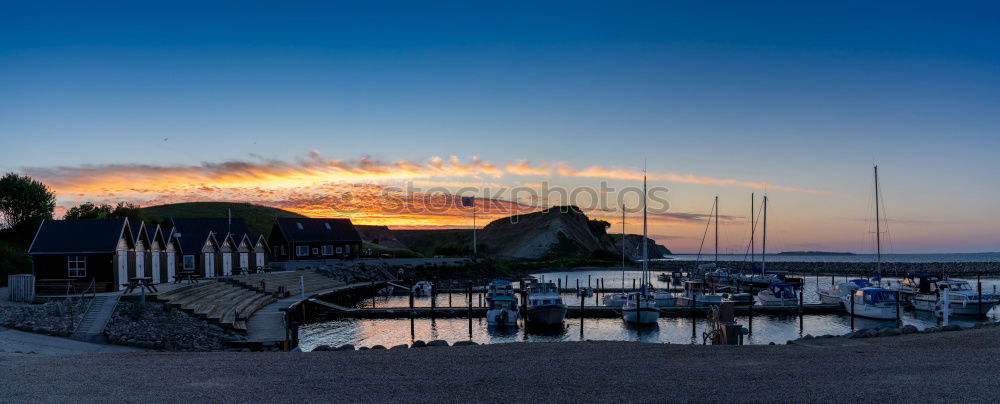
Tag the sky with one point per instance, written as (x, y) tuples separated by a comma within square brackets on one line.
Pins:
[(384, 112)]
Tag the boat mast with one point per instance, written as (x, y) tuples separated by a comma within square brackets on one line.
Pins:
[(645, 239), (716, 231), (878, 233), (752, 228), (763, 243), (623, 248)]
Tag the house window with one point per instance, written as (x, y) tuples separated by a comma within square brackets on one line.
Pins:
[(302, 250), (76, 266), (315, 251), (328, 250), (327, 225), (189, 263), (340, 250)]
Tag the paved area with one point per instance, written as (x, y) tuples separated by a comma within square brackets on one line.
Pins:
[(942, 367), (15, 341)]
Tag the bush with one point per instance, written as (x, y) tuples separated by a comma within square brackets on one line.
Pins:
[(13, 260)]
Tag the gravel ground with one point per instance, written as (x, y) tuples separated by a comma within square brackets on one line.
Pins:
[(939, 367)]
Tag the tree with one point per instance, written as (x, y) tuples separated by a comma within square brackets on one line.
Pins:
[(24, 203), (130, 211), (88, 211)]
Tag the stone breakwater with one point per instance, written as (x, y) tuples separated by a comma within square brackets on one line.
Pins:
[(849, 268), (155, 326), (53, 318)]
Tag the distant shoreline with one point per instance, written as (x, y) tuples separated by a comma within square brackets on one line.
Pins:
[(814, 253)]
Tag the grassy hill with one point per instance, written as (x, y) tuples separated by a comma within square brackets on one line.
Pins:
[(258, 218)]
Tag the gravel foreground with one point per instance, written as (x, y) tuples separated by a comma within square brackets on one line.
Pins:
[(939, 367)]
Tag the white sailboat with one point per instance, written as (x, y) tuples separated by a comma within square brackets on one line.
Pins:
[(618, 299), (874, 302), (640, 306)]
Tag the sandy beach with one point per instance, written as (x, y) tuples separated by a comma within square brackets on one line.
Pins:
[(938, 367)]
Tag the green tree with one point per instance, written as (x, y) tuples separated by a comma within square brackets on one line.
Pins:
[(88, 210), (24, 203), (130, 211)]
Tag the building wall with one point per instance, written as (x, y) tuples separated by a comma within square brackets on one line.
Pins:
[(100, 268)]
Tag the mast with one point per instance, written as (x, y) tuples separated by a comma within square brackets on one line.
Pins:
[(645, 239), (623, 248), (763, 244), (716, 231), (878, 233), (752, 228)]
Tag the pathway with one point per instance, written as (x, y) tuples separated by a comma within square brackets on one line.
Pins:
[(267, 325), (13, 341), (91, 328)]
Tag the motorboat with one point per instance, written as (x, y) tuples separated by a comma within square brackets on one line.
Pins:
[(422, 288), (757, 280), (544, 306), (778, 294), (676, 277), (721, 276), (614, 299), (872, 302), (640, 309), (739, 300), (962, 298), (918, 283), (663, 277), (694, 295), (501, 304), (834, 293), (664, 298), (585, 291)]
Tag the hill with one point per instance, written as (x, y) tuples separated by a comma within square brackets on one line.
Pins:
[(633, 246), (557, 232), (258, 218)]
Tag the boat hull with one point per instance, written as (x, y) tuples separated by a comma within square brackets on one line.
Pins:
[(546, 315), (873, 312), (501, 317), (666, 301), (971, 308), (643, 315), (826, 298), (702, 301)]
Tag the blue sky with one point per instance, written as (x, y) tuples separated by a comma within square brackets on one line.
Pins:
[(791, 93)]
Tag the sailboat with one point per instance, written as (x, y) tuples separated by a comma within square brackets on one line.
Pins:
[(874, 302), (640, 306), (777, 293), (618, 299)]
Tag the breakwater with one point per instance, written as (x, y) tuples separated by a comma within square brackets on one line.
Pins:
[(849, 268)]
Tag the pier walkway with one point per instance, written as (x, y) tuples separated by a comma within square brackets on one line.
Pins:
[(267, 325), (573, 312)]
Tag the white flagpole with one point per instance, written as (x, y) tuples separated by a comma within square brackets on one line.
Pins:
[(473, 226)]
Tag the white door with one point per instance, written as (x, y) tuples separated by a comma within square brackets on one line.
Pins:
[(245, 260), (171, 264), (156, 266), (260, 259), (122, 269), (209, 265), (140, 264), (227, 264)]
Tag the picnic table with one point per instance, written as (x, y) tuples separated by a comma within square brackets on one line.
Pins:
[(143, 283), (190, 277)]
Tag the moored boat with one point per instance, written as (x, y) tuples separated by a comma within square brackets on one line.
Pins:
[(614, 299), (694, 295), (422, 288), (962, 298), (834, 293), (544, 306), (778, 294), (872, 302), (501, 304), (640, 308)]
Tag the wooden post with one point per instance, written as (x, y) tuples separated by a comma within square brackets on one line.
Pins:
[(979, 288), (411, 297), (588, 281), (374, 293), (852, 311), (750, 321), (559, 284), (451, 285), (633, 283), (433, 299), (581, 315), (469, 298), (898, 322), (578, 285)]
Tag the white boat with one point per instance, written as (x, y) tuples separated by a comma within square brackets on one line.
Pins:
[(663, 277), (739, 300), (778, 294), (544, 306), (694, 296), (834, 293), (962, 298), (721, 276), (664, 298), (501, 304), (586, 291), (614, 299), (640, 308), (872, 302), (422, 288)]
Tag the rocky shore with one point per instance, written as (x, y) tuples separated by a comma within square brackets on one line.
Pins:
[(156, 326), (52, 318)]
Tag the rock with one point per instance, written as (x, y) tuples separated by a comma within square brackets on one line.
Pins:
[(889, 332), (321, 348), (951, 327), (438, 342), (770, 343), (931, 329), (400, 346), (345, 347), (378, 347), (418, 344), (464, 343), (909, 329), (870, 333), (364, 348), (808, 336)]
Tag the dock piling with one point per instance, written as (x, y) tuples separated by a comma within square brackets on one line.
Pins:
[(852, 311), (469, 301), (979, 288)]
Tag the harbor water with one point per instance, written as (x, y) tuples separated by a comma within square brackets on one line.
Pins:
[(765, 328)]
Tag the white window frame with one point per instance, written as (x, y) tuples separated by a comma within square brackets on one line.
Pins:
[(193, 263), (76, 263), (299, 251), (315, 251), (340, 250), (328, 250)]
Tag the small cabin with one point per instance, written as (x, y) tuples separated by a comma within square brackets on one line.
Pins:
[(70, 255), (313, 239)]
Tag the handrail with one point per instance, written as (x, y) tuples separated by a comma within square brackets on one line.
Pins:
[(93, 294)]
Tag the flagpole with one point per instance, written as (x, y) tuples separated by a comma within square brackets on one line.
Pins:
[(473, 227)]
